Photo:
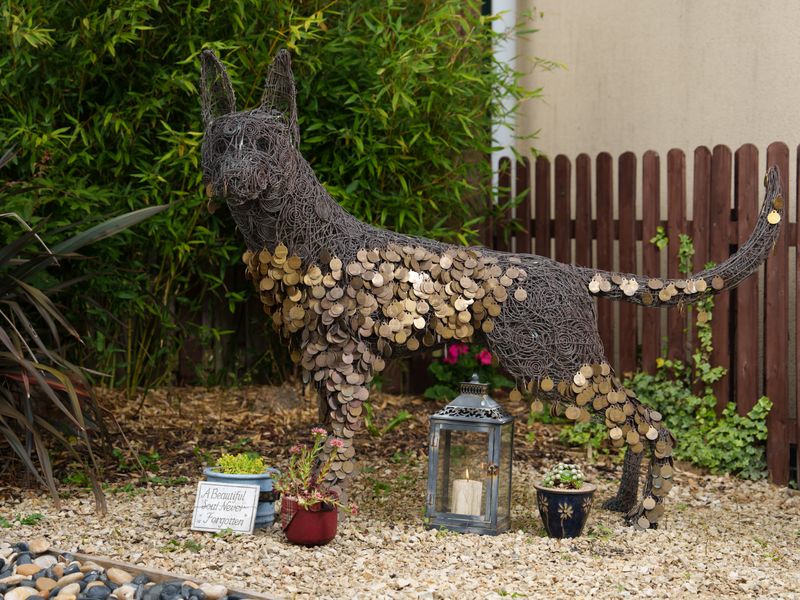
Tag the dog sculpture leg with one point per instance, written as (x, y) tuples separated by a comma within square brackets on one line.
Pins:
[(594, 392), (628, 492), (657, 485), (343, 389), (641, 427)]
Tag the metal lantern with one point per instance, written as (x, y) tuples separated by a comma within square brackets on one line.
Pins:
[(469, 464)]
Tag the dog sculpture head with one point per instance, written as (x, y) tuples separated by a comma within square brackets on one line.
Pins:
[(245, 154)]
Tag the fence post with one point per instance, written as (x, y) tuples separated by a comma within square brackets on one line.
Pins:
[(701, 230), (583, 210), (563, 216), (776, 335), (796, 240), (676, 224), (605, 246), (627, 259), (745, 343), (542, 206), (701, 206), (523, 179), (719, 250), (651, 261)]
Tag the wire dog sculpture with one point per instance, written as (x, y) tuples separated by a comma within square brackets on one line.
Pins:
[(347, 295)]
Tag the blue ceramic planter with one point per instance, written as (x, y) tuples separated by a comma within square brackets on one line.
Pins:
[(265, 513), (563, 511)]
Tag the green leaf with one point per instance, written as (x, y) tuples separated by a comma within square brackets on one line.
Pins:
[(107, 229)]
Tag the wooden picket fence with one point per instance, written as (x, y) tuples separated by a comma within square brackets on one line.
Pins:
[(579, 212)]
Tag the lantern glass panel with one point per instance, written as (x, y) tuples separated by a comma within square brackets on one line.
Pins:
[(504, 473), (462, 485)]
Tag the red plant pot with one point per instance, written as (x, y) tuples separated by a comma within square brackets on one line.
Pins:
[(308, 526)]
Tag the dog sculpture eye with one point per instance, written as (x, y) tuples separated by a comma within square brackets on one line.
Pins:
[(221, 146), (230, 127), (262, 145)]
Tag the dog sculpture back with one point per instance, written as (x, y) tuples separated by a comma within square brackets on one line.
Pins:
[(347, 295)]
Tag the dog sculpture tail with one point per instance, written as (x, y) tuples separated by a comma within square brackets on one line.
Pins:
[(724, 276)]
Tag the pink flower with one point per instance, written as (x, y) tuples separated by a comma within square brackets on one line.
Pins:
[(337, 443), (454, 351), (319, 431), (484, 357), (295, 449), (353, 508)]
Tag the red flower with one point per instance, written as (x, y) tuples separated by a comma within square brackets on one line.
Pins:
[(454, 351), (484, 357)]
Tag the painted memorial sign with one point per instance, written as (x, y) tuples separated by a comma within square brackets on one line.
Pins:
[(219, 506)]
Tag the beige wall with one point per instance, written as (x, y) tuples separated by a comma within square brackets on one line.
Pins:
[(658, 74)]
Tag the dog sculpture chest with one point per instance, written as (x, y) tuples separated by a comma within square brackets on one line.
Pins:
[(347, 296)]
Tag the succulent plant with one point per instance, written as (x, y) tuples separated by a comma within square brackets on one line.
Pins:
[(564, 475)]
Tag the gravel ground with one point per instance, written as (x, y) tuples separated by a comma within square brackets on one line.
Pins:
[(720, 538)]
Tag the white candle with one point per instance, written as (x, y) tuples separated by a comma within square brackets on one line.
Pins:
[(467, 497)]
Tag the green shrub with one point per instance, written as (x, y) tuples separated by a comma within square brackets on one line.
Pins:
[(100, 97), (241, 464)]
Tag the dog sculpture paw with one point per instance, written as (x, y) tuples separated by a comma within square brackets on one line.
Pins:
[(618, 504)]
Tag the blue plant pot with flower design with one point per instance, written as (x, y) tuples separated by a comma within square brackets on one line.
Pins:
[(564, 511)]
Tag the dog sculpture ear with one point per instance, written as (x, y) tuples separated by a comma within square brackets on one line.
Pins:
[(279, 93), (216, 91)]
